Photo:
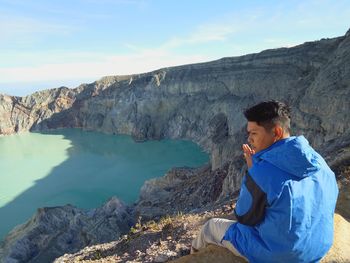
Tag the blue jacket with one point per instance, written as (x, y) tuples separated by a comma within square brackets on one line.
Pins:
[(286, 205)]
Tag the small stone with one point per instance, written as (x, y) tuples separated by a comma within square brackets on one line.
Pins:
[(140, 253), (148, 259), (171, 254), (161, 258), (185, 226)]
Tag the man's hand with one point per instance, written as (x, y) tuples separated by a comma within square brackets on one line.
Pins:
[(248, 152)]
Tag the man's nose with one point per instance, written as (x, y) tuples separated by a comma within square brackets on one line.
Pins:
[(251, 143), (249, 140)]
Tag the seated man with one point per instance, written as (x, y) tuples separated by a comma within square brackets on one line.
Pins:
[(287, 199)]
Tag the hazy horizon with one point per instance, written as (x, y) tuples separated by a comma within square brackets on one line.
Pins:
[(27, 88)]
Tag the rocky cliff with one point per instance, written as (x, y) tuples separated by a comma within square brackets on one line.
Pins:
[(204, 102), (52, 231)]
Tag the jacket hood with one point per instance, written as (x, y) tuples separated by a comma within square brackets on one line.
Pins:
[(293, 155)]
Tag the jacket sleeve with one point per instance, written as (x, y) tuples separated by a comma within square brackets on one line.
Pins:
[(251, 203)]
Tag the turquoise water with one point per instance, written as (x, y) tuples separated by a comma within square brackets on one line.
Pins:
[(84, 169)]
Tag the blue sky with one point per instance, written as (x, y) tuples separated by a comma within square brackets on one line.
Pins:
[(47, 44)]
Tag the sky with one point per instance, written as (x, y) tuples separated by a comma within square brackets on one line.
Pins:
[(52, 43)]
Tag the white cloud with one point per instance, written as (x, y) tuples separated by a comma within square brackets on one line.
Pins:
[(256, 28), (82, 65), (106, 65), (203, 34), (280, 42), (18, 26)]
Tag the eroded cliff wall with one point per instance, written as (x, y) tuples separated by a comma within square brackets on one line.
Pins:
[(204, 102)]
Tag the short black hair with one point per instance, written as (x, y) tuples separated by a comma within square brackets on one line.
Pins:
[(270, 113)]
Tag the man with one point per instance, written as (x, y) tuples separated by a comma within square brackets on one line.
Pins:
[(287, 199)]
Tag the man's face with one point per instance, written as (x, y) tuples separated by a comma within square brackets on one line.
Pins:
[(258, 137)]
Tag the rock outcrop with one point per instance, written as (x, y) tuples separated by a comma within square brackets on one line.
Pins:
[(21, 113), (181, 190), (211, 254), (53, 231), (339, 252)]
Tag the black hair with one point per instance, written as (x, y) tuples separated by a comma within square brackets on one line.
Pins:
[(270, 113)]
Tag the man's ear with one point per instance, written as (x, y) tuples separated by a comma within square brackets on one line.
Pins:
[(278, 131)]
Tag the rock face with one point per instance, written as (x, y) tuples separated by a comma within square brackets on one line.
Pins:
[(20, 114), (202, 102), (338, 252), (180, 190), (51, 232)]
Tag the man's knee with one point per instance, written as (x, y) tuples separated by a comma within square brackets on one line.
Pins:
[(218, 225), (210, 223)]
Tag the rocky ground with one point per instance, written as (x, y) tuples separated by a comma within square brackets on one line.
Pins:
[(170, 238), (52, 230), (161, 241)]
